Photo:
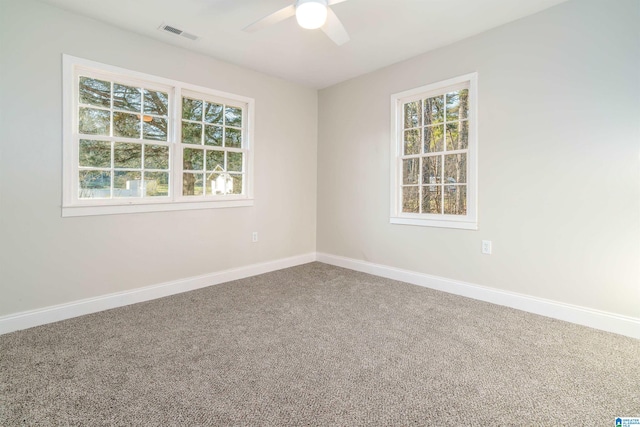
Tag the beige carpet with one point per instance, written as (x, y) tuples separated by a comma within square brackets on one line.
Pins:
[(317, 345)]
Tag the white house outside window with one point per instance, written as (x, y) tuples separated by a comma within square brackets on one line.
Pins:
[(135, 142), (434, 155)]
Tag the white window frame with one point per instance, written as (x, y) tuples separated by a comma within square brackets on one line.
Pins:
[(468, 221), (72, 205)]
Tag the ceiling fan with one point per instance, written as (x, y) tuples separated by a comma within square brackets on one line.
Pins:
[(310, 14)]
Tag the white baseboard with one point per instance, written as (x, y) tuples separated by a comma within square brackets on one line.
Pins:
[(596, 319), (31, 318)]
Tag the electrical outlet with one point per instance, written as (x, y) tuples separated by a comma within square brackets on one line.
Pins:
[(254, 236), (486, 247)]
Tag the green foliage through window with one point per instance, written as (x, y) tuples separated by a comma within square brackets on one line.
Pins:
[(134, 137), (217, 131), (435, 141)]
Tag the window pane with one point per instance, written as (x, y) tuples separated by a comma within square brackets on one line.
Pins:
[(192, 109), (154, 128), (458, 135), (157, 184), (434, 110), (232, 138), (431, 199), (191, 133), (412, 114), (192, 184), (213, 113), (95, 154), (410, 199), (233, 116), (213, 135), (93, 122), (234, 162), (156, 103), (410, 171), (94, 184), (455, 200), (193, 159), (127, 184), (412, 141), (215, 160), (434, 139), (236, 184), (126, 125), (95, 92), (220, 183), (126, 98), (432, 170), (127, 155), (455, 168), (458, 105), (156, 157)]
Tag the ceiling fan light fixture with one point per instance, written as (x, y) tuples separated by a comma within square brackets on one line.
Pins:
[(311, 14)]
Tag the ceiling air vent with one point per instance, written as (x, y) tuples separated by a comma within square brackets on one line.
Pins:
[(176, 31)]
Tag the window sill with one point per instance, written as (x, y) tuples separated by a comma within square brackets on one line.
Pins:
[(72, 211), (440, 223)]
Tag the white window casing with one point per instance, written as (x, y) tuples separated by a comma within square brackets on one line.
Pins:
[(420, 196), (135, 197)]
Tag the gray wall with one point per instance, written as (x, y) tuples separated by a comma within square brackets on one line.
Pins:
[(559, 165), (559, 176), (46, 259)]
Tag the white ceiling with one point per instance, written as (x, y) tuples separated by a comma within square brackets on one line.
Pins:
[(382, 32)]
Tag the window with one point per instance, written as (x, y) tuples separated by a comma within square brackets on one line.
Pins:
[(137, 143), (434, 155), (212, 152)]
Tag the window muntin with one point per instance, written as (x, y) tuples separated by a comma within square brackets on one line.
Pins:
[(435, 148), (133, 143), (212, 147), (122, 138), (434, 141)]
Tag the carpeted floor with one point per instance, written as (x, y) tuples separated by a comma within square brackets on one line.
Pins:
[(317, 345)]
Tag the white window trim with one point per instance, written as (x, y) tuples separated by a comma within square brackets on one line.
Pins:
[(73, 206), (469, 221)]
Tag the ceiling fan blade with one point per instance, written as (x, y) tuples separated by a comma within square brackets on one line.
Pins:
[(274, 18), (332, 2), (334, 29)]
